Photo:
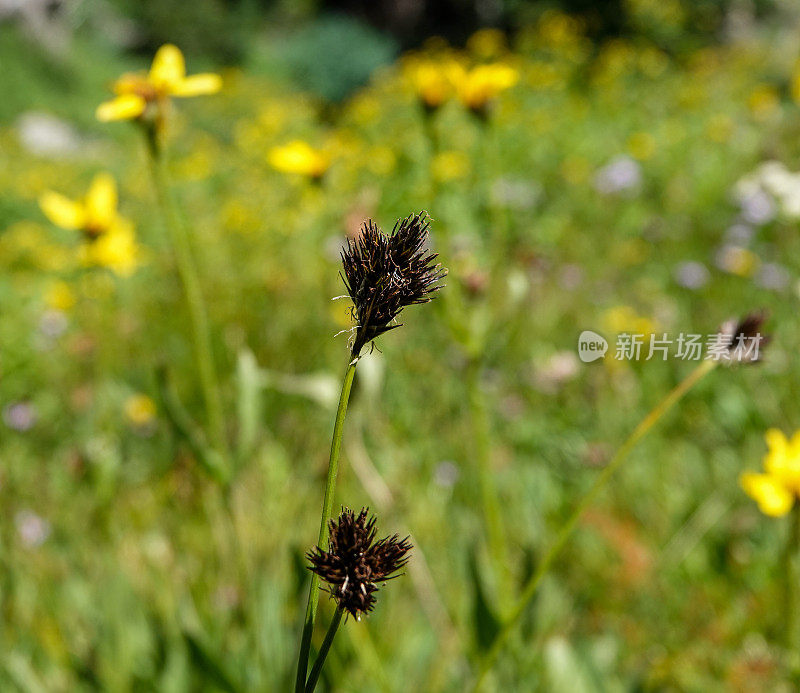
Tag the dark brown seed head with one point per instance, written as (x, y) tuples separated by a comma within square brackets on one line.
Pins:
[(744, 339), (355, 563), (384, 273)]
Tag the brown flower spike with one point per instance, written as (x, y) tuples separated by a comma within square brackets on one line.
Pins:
[(355, 563), (744, 339), (384, 273)]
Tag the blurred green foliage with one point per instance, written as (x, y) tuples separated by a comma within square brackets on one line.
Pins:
[(121, 565)]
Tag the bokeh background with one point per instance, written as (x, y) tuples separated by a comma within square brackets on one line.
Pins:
[(638, 176)]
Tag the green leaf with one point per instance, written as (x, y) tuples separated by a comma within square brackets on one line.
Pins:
[(484, 619)]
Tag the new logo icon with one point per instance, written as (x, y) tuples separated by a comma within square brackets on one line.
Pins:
[(591, 346)]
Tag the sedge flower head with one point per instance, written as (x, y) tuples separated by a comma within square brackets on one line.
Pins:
[(742, 340), (301, 158), (354, 564), (384, 273), (109, 239), (135, 92), (777, 488)]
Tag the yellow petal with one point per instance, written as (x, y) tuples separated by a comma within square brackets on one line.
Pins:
[(776, 441), (116, 249), (123, 107), (196, 85), (773, 498), (101, 202), (168, 68), (62, 211)]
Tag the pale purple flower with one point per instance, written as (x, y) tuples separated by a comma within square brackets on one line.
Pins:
[(757, 207), (33, 530), (19, 416), (571, 276), (515, 193), (53, 324), (621, 174), (691, 275), (773, 276), (559, 369), (739, 234), (446, 474)]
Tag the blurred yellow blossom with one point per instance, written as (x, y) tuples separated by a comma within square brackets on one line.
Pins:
[(432, 79), (575, 169), (59, 296), (763, 102), (140, 410), (381, 160), (778, 487), (116, 250), (487, 43), (477, 87), (167, 77), (795, 85), (299, 157), (719, 127), (739, 261), (642, 145), (450, 165), (559, 30), (619, 319), (109, 237)]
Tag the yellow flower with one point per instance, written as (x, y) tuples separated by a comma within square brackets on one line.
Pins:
[(59, 296), (116, 250), (619, 319), (431, 80), (783, 459), (299, 157), (109, 237), (477, 87), (642, 145), (764, 101), (487, 43), (777, 488), (93, 215), (140, 410), (167, 77), (450, 165)]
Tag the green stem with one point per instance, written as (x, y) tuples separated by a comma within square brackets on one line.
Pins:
[(322, 542), (792, 577), (569, 527), (316, 670), (181, 246), (490, 503)]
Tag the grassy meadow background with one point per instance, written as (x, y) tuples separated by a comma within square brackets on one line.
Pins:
[(617, 186)]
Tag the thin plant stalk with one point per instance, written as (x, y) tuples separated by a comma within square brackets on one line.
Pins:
[(316, 670), (655, 415), (791, 574), (198, 315), (490, 503), (327, 506)]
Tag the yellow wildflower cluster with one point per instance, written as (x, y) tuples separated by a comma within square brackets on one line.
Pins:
[(436, 80), (776, 489)]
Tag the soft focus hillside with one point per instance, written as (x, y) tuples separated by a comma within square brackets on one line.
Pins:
[(608, 185)]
